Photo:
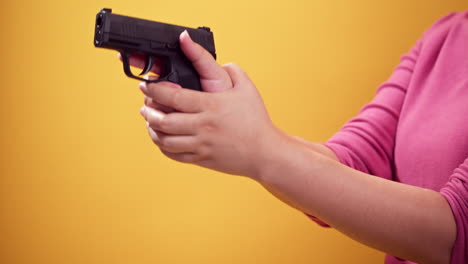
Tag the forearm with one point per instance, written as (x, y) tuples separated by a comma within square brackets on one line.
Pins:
[(230, 131), (403, 220), (315, 146)]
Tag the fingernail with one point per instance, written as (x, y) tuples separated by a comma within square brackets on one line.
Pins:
[(153, 135), (154, 113), (185, 34), (142, 87), (142, 111)]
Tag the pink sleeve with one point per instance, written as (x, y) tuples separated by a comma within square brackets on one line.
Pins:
[(456, 194), (366, 142)]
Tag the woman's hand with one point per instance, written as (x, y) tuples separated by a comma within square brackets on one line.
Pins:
[(225, 128)]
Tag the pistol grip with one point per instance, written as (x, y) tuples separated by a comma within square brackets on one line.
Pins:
[(182, 70)]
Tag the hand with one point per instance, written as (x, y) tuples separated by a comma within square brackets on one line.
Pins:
[(226, 128), (212, 79)]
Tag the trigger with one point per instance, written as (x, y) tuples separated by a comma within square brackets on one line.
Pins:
[(148, 65)]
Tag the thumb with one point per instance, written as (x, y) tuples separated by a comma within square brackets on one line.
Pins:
[(203, 61), (238, 77)]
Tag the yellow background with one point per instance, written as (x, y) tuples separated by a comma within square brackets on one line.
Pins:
[(81, 181)]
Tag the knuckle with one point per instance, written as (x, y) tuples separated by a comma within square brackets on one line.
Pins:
[(164, 124), (234, 67), (207, 125), (200, 53), (163, 142), (196, 124), (151, 89), (212, 105), (176, 100), (203, 153), (209, 128), (170, 155), (191, 125), (154, 124), (155, 140), (198, 102), (189, 158), (181, 157), (150, 124)]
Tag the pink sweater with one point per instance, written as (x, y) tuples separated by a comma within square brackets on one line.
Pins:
[(415, 130)]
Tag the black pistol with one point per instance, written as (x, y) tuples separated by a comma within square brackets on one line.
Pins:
[(130, 35)]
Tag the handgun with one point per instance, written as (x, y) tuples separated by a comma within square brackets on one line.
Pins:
[(155, 41)]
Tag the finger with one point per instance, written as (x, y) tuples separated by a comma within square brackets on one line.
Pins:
[(182, 157), (201, 59), (152, 115), (172, 124), (144, 85), (153, 135), (149, 102), (139, 61), (171, 144), (142, 112), (175, 144), (184, 100), (237, 75)]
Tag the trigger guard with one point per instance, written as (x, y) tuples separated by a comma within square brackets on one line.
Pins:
[(170, 77)]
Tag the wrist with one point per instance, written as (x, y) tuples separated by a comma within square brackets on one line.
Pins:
[(284, 157), (272, 151)]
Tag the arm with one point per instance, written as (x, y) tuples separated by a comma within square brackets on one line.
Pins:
[(415, 224), (456, 194), (230, 131), (317, 147)]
